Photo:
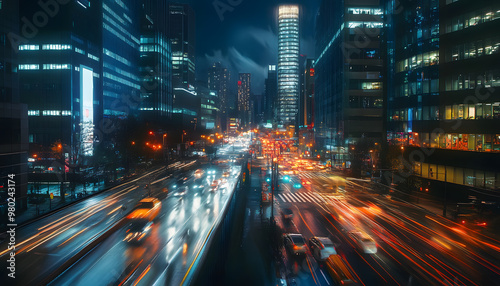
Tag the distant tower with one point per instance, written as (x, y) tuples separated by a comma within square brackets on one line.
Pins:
[(244, 98), (288, 64)]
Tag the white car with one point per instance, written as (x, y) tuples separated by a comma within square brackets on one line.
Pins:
[(321, 247), (364, 242)]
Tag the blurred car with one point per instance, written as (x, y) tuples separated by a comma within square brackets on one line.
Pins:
[(180, 181), (339, 271), (199, 173), (321, 247), (147, 208), (138, 230), (226, 174), (364, 242), (211, 172), (214, 185), (287, 213), (295, 243)]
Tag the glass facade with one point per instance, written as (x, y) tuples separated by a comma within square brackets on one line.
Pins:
[(349, 82), (244, 98), (120, 56), (288, 64), (445, 95), (156, 76), (416, 79), (182, 33)]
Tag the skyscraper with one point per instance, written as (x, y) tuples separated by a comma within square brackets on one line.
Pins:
[(288, 64), (13, 114), (218, 80), (183, 36), (60, 71), (348, 75), (244, 98), (271, 95), (120, 55), (209, 107), (307, 95), (156, 64), (446, 95)]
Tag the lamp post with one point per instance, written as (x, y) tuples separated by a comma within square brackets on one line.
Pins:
[(165, 149)]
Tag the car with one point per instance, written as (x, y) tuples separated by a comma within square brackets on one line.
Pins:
[(199, 173), (364, 242), (138, 230), (181, 181), (147, 208), (211, 172), (226, 174), (339, 271), (295, 243), (321, 247), (287, 214), (214, 185)]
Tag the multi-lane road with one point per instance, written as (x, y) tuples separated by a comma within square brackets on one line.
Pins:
[(414, 247), (190, 208)]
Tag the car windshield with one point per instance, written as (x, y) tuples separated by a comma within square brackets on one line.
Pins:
[(138, 226), (145, 205), (367, 240), (297, 239)]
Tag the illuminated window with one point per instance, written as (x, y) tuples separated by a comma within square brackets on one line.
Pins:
[(56, 47), (51, 113), (29, 47), (33, 112), (29, 67), (93, 57), (80, 51), (56, 66)]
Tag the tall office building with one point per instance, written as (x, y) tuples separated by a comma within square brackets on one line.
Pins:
[(288, 64), (209, 107), (307, 95), (13, 114), (156, 64), (271, 95), (183, 36), (348, 75), (60, 75), (120, 55), (244, 98), (447, 94), (218, 80)]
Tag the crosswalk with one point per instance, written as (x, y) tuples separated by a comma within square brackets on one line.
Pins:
[(301, 197)]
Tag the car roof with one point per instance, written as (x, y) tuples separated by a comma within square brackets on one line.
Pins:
[(324, 240), (148, 200)]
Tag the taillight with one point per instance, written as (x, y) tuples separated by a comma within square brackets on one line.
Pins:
[(463, 221), (295, 247)]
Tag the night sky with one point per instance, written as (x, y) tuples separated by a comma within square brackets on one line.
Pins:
[(245, 39)]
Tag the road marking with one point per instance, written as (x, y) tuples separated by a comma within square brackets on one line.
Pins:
[(311, 197), (290, 198), (299, 198), (282, 198)]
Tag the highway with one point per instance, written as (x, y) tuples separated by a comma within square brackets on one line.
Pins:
[(190, 209), (414, 247)]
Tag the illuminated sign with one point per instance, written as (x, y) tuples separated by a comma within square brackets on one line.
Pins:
[(87, 110)]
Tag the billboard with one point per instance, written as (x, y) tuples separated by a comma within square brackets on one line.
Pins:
[(87, 110)]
